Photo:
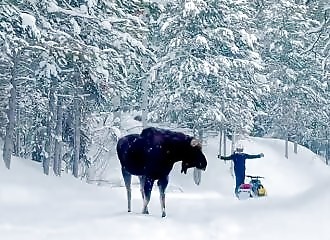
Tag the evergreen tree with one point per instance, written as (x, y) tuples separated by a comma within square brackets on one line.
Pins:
[(207, 62), (297, 86)]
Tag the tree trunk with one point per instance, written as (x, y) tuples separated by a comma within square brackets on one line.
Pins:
[(10, 128), (286, 153), (200, 135), (8, 144), (327, 152), (49, 147), (145, 102), (224, 142), (77, 126), (18, 147), (58, 140), (220, 140), (117, 111), (233, 141), (295, 147)]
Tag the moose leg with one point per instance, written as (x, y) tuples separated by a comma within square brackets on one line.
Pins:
[(127, 179), (142, 182), (162, 184), (148, 183)]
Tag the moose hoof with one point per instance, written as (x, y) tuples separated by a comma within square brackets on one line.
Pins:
[(145, 211), (163, 214)]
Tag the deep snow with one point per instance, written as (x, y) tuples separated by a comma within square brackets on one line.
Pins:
[(38, 207)]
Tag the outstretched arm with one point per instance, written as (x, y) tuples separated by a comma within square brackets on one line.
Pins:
[(248, 156), (225, 158)]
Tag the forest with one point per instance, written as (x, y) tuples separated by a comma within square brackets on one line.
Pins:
[(70, 68)]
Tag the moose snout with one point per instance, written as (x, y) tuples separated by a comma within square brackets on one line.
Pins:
[(201, 167)]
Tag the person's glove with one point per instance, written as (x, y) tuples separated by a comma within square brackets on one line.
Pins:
[(262, 155), (221, 157)]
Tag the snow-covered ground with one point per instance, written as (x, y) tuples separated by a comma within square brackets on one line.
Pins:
[(38, 207)]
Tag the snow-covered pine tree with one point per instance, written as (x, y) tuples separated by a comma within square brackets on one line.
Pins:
[(20, 37), (298, 90), (208, 58)]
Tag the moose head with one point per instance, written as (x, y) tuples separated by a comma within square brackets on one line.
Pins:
[(193, 157)]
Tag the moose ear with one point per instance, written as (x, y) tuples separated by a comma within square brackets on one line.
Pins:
[(195, 143)]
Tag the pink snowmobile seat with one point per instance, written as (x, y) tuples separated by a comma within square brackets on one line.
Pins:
[(245, 186)]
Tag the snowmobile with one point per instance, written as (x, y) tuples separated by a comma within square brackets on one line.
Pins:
[(252, 189)]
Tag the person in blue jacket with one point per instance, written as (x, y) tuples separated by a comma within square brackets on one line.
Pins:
[(238, 158)]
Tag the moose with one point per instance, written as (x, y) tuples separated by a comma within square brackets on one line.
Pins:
[(151, 156)]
